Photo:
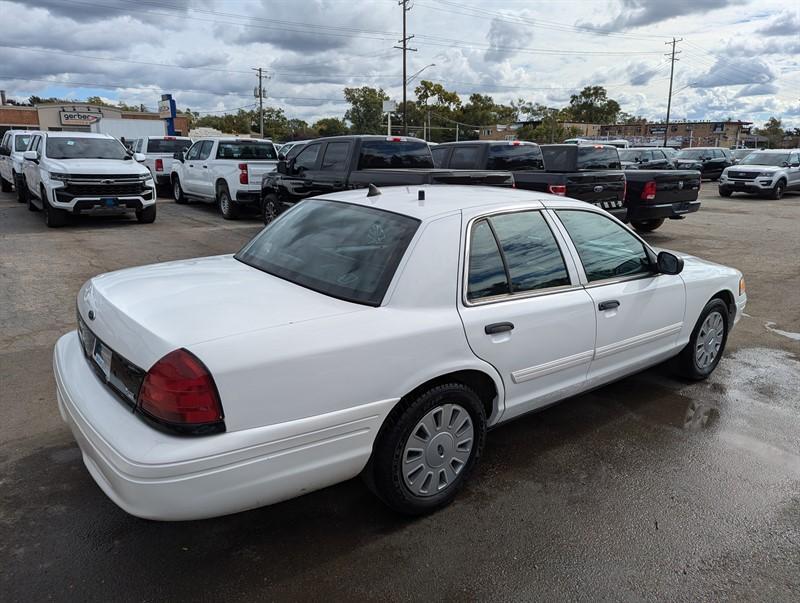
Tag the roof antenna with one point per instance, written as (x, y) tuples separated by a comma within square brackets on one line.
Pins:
[(374, 191)]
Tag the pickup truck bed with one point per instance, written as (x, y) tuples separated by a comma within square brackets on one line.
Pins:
[(655, 195)]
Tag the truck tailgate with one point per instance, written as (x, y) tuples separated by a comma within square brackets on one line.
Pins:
[(672, 186), (596, 187), (256, 170)]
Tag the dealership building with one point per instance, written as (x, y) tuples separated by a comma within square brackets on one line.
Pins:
[(75, 117)]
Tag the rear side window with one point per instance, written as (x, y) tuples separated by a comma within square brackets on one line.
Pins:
[(487, 275), (307, 158), (163, 145), (377, 154), (439, 156), (246, 149), (597, 158), (335, 156), (465, 158), (515, 157)]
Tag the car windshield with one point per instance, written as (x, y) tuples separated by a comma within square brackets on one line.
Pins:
[(343, 250), (21, 143), (63, 147), (776, 159), (168, 146), (242, 149), (693, 153)]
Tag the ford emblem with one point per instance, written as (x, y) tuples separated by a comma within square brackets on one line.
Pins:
[(680, 184), (107, 182), (598, 189), (91, 314)]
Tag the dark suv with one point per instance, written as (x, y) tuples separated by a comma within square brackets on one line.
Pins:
[(645, 158), (710, 161)]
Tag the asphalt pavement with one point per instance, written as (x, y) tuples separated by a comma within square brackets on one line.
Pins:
[(651, 488)]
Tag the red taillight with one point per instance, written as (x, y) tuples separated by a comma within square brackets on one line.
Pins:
[(557, 189), (243, 178), (649, 191), (159, 165), (395, 139), (178, 389)]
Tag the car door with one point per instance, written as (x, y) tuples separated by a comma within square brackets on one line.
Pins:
[(31, 168), (332, 174), (793, 171), (717, 163), (524, 310), (191, 168), (639, 311), (658, 160), (304, 169), (205, 179)]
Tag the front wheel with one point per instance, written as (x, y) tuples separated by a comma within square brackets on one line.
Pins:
[(177, 191), (647, 225), (269, 208), (22, 190), (723, 192), (427, 448), (778, 190), (703, 352), (146, 215), (53, 218)]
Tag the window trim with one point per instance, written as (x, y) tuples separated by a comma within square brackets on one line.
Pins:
[(566, 256), (585, 284)]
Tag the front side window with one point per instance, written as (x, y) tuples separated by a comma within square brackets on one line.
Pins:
[(514, 253), (464, 158), (607, 250), (21, 143), (335, 156), (194, 151), (346, 251), (439, 156), (307, 158), (68, 147), (205, 150)]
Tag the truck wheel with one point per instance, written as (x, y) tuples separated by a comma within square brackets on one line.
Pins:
[(19, 184), (5, 185), (647, 225), (228, 208), (703, 352), (269, 209), (177, 191), (146, 215), (53, 218), (777, 190), (427, 448), (724, 192)]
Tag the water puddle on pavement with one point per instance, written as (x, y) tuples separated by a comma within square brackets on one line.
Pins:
[(771, 327)]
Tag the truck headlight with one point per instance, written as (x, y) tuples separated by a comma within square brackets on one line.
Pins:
[(59, 176)]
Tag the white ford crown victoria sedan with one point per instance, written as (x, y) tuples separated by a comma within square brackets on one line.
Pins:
[(377, 335)]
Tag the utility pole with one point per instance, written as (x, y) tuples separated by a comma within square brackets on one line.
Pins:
[(405, 5), (259, 94), (671, 73)]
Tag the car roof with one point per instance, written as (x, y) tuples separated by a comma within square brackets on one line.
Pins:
[(78, 135), (513, 143), (441, 199), (232, 139)]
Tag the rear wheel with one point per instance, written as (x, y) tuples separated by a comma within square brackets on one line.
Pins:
[(269, 209), (5, 185), (703, 352), (647, 225), (146, 215), (778, 190), (228, 209), (177, 191), (53, 218), (427, 448)]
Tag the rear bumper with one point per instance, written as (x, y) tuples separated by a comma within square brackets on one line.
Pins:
[(155, 475), (662, 210)]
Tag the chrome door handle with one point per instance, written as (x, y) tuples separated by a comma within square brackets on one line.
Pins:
[(608, 305), (498, 327)]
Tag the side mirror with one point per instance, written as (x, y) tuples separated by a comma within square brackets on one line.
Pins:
[(281, 157), (281, 168), (30, 156), (795, 165), (139, 157), (179, 156), (5, 151), (669, 263)]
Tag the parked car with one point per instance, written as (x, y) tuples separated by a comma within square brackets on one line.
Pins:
[(654, 195), (12, 147), (738, 154), (223, 170), (372, 334), (710, 161), (85, 173), (159, 153), (650, 158), (283, 152), (589, 172), (769, 173)]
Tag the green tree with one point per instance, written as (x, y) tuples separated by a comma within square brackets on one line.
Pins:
[(773, 130), (593, 106), (330, 126), (441, 98), (366, 109)]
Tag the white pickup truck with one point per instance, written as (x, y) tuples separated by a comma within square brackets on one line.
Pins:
[(225, 171), (159, 153), (67, 173), (12, 146)]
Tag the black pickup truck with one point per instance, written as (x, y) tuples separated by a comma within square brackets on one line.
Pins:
[(337, 163), (652, 196)]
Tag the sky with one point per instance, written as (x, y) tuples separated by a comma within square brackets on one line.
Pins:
[(737, 58)]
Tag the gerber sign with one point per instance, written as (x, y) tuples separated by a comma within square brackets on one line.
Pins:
[(78, 118)]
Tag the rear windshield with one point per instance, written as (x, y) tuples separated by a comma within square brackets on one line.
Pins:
[(164, 145), (515, 157), (246, 149), (62, 147), (21, 143), (597, 158), (376, 154), (346, 251)]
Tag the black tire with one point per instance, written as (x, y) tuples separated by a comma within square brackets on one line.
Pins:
[(177, 191), (19, 184), (53, 218), (688, 364), (5, 185), (270, 208), (724, 192), (146, 215), (647, 225), (228, 209), (778, 190), (384, 472)]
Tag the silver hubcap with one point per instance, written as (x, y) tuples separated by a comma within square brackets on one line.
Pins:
[(437, 450), (269, 211), (177, 190), (223, 202), (709, 340)]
